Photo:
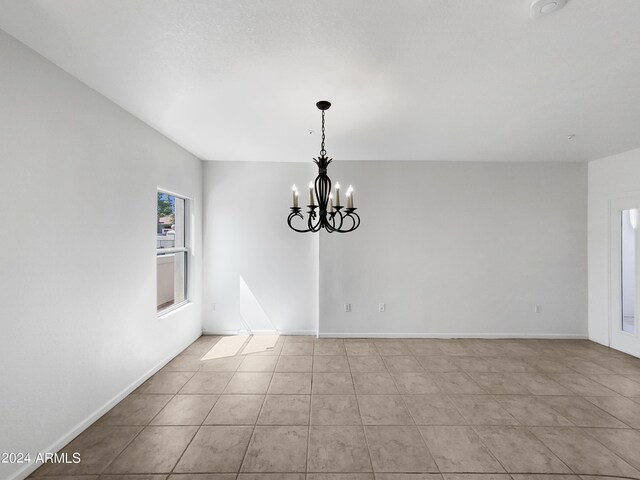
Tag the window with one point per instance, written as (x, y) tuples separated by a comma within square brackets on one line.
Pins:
[(628, 273), (172, 254)]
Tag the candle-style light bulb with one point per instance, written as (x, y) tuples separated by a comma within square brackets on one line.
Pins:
[(330, 202), (311, 195), (350, 197), (337, 193), (294, 191)]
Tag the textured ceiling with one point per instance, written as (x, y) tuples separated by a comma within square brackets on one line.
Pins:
[(409, 80)]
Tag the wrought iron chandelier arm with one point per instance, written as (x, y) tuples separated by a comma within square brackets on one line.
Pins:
[(295, 212), (313, 227), (355, 219), (333, 215)]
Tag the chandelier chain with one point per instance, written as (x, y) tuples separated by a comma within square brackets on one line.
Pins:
[(323, 152)]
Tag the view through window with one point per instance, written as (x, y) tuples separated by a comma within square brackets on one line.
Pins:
[(171, 251)]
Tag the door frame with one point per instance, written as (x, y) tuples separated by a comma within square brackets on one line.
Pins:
[(618, 339)]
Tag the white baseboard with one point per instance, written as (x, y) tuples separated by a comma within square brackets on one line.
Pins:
[(298, 332), (456, 335), (549, 336), (225, 332), (29, 468), (599, 341), (260, 332)]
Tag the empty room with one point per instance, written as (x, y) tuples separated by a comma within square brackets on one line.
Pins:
[(320, 239)]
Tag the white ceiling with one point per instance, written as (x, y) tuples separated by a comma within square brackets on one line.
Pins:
[(409, 80)]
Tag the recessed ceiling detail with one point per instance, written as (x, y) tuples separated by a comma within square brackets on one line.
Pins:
[(540, 8), (450, 79)]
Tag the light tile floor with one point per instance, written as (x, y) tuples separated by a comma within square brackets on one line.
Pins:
[(334, 409)]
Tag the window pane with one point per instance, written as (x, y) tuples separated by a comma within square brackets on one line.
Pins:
[(628, 274), (179, 222), (180, 278), (171, 221), (172, 275)]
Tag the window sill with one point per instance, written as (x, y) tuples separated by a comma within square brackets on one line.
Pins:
[(173, 308)]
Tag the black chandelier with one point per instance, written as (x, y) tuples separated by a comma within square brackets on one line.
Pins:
[(332, 217)]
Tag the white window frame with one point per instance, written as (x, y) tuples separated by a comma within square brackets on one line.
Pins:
[(186, 250)]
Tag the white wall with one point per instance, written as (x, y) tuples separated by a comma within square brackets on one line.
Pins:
[(460, 249), (609, 178), (246, 235), (78, 324), (451, 248)]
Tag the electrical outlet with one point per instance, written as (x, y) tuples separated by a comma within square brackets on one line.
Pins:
[(347, 307), (537, 309), (214, 306), (382, 307)]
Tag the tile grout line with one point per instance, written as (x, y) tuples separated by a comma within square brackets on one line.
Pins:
[(393, 378), (306, 457), (203, 420), (253, 431), (554, 454), (362, 425), (102, 472), (609, 449)]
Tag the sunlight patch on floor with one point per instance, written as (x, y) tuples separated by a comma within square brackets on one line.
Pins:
[(260, 343), (231, 346), (226, 347)]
